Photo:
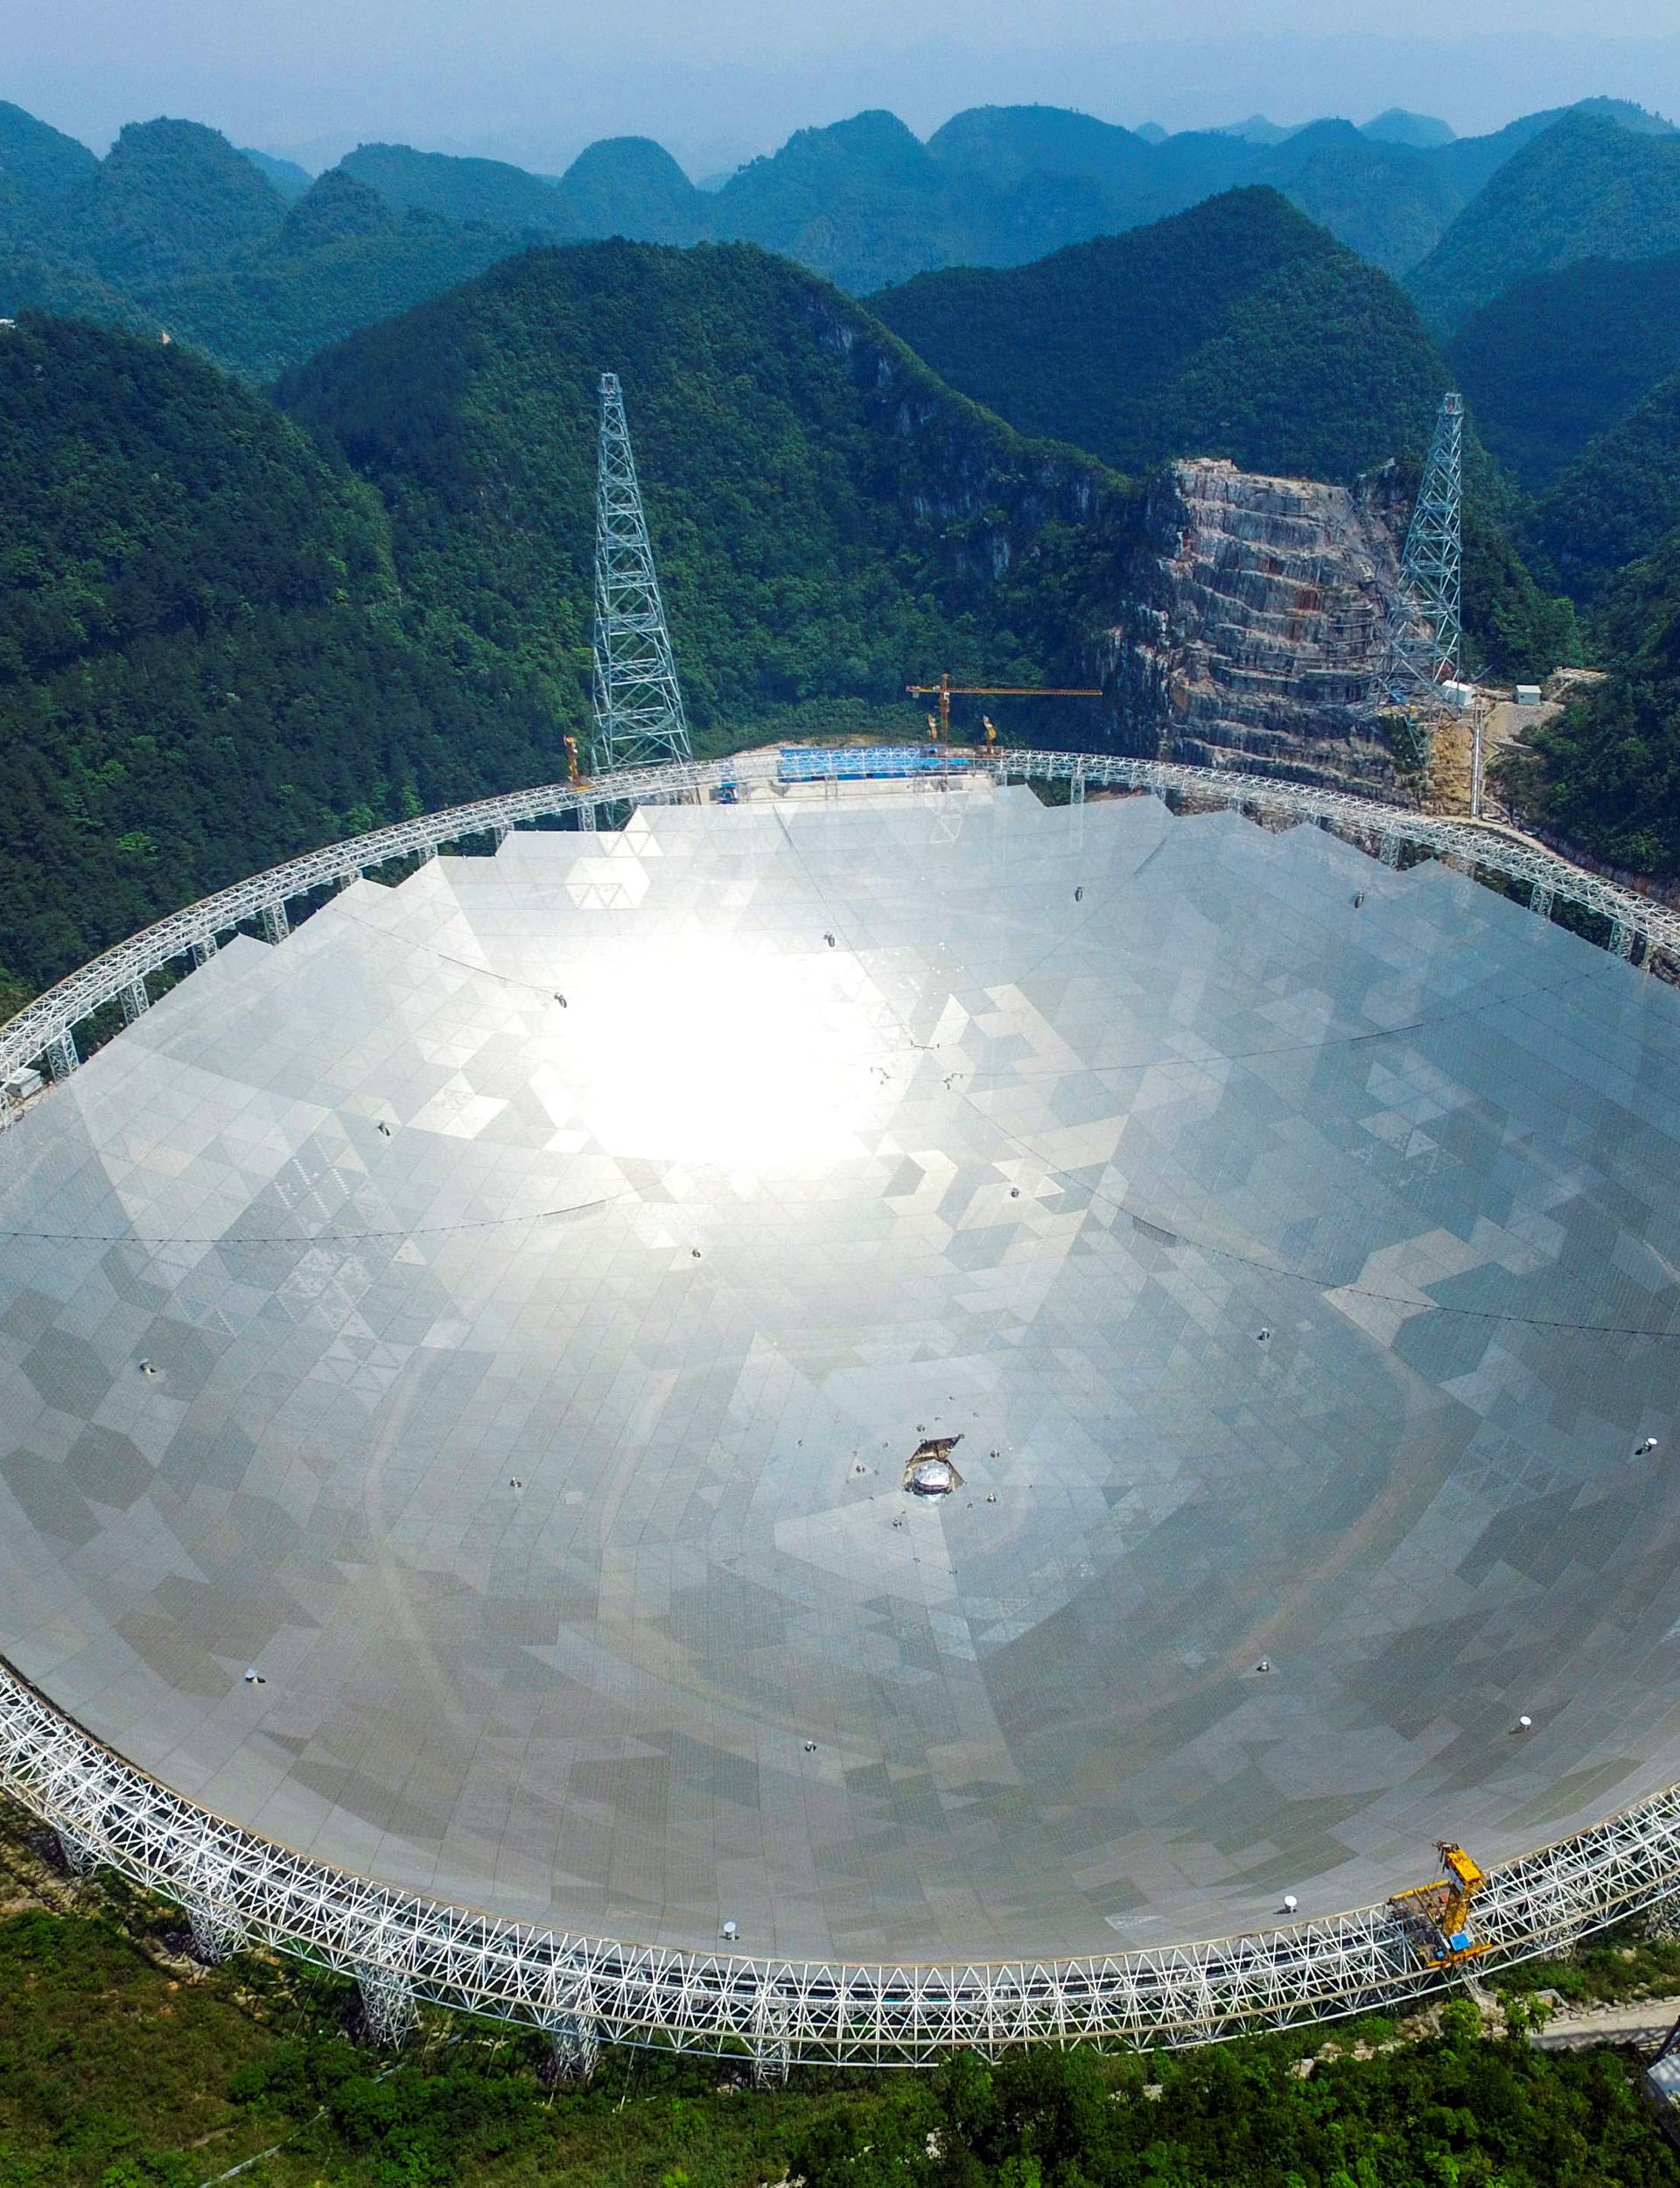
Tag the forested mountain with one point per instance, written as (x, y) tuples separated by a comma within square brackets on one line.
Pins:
[(1398, 125), (1005, 144), (629, 186), (1618, 499), (1607, 776), (863, 202), (1559, 358), (1390, 202), (486, 192), (287, 177), (205, 665), (39, 167), (1587, 188), (830, 519), (170, 198), (1236, 329), (339, 259)]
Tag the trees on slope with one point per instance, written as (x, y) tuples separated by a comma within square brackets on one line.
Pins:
[(1238, 328), (1588, 187), (205, 664), (826, 514)]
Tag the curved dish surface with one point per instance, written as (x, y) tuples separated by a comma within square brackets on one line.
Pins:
[(502, 1319)]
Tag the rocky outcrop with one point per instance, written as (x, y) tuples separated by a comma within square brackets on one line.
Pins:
[(1259, 608)]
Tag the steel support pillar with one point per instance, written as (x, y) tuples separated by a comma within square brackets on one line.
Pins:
[(388, 2011), (574, 2047), (586, 817), (1622, 939), (1388, 850), (500, 836), (135, 1001), (204, 948), (217, 1930), (771, 2053), (1540, 899), (62, 1054), (275, 925), (79, 1858), (1076, 783)]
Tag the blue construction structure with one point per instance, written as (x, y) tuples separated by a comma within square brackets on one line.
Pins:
[(851, 763)]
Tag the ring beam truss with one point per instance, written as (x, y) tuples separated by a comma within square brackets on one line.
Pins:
[(45, 1029), (402, 1949)]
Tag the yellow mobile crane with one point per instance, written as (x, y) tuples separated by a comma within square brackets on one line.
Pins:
[(1438, 1914), (939, 727)]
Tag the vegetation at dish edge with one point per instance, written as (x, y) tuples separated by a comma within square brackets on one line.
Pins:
[(124, 2066), (1606, 775)]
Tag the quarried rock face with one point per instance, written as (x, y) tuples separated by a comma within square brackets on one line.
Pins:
[(1256, 624)]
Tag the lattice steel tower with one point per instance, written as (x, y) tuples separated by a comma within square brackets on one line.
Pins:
[(1420, 647), (639, 720)]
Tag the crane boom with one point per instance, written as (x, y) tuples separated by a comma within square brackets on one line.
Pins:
[(945, 691)]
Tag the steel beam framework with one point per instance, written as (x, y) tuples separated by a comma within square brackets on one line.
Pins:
[(238, 1890)]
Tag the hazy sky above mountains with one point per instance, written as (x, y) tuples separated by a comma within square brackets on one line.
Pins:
[(535, 80)]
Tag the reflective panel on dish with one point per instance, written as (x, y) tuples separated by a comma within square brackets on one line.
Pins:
[(789, 1365)]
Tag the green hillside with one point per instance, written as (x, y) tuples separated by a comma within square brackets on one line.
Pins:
[(488, 192), (204, 662), (629, 186), (1606, 776), (1388, 202), (287, 177), (39, 167), (1618, 499), (169, 199), (1237, 329), (1589, 186), (340, 259), (1005, 144), (861, 202), (1556, 359), (829, 519)]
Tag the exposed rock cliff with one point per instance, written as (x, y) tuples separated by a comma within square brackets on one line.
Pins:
[(1260, 604)]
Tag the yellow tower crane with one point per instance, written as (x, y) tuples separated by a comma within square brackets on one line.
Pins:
[(939, 727)]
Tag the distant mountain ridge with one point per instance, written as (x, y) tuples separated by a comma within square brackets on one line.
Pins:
[(1558, 358), (861, 201), (1238, 328), (1588, 187)]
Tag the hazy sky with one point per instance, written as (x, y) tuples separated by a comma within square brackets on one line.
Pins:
[(719, 79)]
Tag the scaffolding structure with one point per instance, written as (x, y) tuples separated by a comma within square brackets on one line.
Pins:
[(1422, 642), (639, 718)]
